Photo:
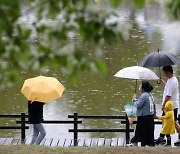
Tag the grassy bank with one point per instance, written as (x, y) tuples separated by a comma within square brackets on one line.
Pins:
[(25, 149)]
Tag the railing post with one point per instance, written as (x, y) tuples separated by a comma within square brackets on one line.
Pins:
[(179, 123), (127, 130), (23, 129), (75, 129)]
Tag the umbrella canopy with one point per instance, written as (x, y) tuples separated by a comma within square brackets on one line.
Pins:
[(42, 89), (137, 73), (159, 59)]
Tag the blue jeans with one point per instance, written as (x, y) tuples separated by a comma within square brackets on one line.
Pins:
[(38, 133)]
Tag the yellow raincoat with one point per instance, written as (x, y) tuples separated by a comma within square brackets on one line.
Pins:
[(168, 119)]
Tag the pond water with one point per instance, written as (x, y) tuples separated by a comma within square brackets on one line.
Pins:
[(97, 94)]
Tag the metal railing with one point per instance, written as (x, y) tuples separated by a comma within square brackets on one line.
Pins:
[(77, 119), (22, 121)]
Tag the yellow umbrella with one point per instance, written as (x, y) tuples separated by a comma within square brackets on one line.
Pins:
[(42, 89)]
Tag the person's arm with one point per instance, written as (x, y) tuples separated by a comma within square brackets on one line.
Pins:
[(167, 115), (154, 109), (162, 82), (168, 93), (167, 98), (140, 102)]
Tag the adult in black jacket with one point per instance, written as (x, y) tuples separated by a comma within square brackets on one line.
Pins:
[(35, 111)]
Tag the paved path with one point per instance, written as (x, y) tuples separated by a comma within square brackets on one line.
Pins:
[(53, 142)]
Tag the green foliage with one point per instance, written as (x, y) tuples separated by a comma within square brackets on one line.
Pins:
[(43, 39), (101, 66), (174, 8), (139, 3), (115, 3)]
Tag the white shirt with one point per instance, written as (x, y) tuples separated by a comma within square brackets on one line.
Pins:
[(172, 89)]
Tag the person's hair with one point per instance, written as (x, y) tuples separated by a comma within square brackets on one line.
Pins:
[(146, 86), (168, 69)]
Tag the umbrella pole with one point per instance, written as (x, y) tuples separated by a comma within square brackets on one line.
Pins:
[(135, 87), (158, 82), (159, 72)]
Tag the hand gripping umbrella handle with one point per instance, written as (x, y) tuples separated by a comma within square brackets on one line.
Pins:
[(158, 82)]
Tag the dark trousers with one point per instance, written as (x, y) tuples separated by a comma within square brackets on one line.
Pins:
[(163, 135), (144, 132)]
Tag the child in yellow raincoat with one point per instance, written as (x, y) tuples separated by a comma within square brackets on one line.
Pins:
[(168, 126)]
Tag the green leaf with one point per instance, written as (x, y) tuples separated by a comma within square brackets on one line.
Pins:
[(41, 29), (75, 75), (27, 33), (109, 35), (24, 47), (40, 13), (100, 65), (85, 67), (44, 49), (174, 8), (62, 60), (14, 76), (78, 55), (52, 13), (139, 3), (85, 2), (115, 3), (53, 8)]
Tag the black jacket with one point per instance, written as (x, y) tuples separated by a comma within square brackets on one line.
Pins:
[(35, 111)]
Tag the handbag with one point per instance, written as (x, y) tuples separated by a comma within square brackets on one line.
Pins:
[(131, 111)]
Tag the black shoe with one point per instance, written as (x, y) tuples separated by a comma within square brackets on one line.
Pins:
[(168, 141), (159, 141), (167, 145), (163, 142), (177, 143)]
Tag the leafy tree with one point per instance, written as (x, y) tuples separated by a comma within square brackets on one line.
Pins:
[(43, 33)]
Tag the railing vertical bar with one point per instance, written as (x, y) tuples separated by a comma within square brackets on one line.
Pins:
[(179, 123), (75, 129), (127, 131), (23, 130)]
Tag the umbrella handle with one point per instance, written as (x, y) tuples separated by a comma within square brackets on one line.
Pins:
[(158, 82)]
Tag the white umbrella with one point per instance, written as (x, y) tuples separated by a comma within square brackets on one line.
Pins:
[(137, 73)]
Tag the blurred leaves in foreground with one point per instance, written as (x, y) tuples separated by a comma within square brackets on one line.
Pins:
[(56, 33)]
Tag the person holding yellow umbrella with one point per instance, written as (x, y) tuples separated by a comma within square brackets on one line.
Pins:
[(35, 112), (39, 91)]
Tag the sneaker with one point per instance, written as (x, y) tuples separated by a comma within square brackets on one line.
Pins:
[(167, 145), (168, 141), (132, 144), (160, 141), (129, 145), (177, 143)]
